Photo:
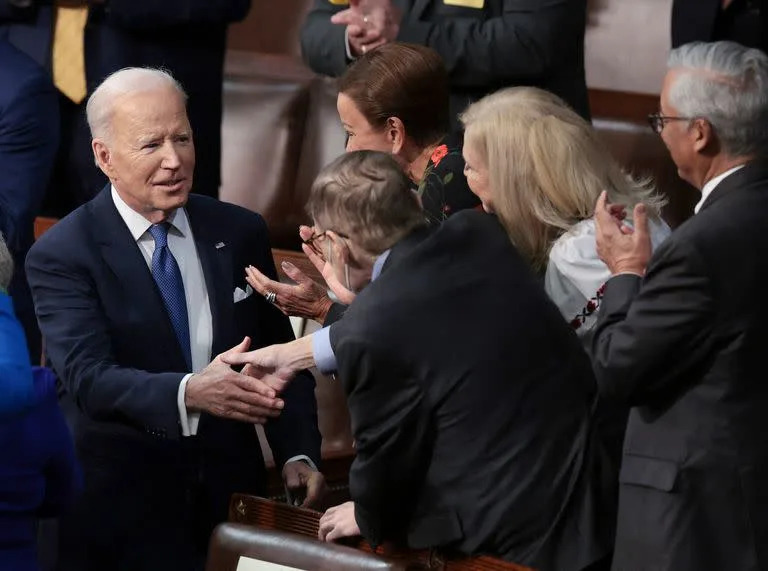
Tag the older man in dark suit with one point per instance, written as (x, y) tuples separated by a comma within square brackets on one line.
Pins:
[(682, 334), (485, 44), (135, 292), (29, 137), (470, 398), (82, 41)]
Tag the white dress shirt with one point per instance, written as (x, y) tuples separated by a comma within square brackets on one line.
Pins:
[(711, 185), (181, 242)]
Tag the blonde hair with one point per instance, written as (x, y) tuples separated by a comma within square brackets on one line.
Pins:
[(546, 167)]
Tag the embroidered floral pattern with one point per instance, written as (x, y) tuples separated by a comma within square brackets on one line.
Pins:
[(591, 307), (443, 189)]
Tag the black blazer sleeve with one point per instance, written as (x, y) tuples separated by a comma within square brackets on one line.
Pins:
[(150, 14), (392, 433), (295, 431), (335, 313), (521, 43), (322, 43), (79, 345), (655, 337)]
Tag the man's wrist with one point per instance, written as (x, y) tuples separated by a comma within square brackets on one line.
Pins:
[(297, 355), (636, 269), (325, 307)]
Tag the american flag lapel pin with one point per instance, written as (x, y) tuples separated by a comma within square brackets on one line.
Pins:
[(219, 245)]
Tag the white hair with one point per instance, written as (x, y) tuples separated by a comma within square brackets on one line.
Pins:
[(101, 103), (6, 264), (726, 84)]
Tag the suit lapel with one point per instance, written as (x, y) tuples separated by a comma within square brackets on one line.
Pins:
[(121, 253), (216, 260), (752, 172)]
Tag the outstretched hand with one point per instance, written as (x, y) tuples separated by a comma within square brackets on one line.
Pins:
[(223, 392)]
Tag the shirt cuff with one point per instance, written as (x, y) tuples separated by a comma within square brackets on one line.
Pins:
[(303, 457), (350, 57), (189, 420), (322, 351)]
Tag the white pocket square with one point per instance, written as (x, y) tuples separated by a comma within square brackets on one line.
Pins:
[(240, 295)]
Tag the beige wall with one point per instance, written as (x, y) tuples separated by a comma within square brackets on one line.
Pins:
[(627, 40), (627, 44)]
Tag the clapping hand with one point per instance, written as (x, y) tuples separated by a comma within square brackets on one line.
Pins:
[(344, 295), (370, 23), (623, 248)]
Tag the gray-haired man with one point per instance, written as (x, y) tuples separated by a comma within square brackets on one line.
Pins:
[(682, 334)]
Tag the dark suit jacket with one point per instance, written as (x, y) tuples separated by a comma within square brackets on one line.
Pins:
[(187, 37), (39, 475), (686, 348), (505, 43), (706, 21), (470, 401), (29, 136), (111, 342)]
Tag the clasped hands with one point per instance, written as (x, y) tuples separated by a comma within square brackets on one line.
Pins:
[(370, 24)]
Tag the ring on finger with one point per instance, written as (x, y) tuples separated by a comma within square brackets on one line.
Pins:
[(270, 296)]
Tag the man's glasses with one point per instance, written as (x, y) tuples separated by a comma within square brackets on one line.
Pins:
[(315, 239), (657, 121)]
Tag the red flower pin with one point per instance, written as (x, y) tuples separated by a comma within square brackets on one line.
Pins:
[(439, 153)]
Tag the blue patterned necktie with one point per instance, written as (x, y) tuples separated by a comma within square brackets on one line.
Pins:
[(166, 272)]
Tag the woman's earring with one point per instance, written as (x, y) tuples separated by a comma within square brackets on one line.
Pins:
[(346, 276)]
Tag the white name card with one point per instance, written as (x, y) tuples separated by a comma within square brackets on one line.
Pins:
[(248, 564)]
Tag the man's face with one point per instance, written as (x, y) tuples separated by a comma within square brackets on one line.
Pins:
[(148, 154), (677, 135)]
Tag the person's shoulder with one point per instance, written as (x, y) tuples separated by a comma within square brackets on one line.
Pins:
[(67, 232), (19, 74)]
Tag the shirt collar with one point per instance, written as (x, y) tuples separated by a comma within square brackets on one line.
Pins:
[(138, 225), (712, 184), (378, 265)]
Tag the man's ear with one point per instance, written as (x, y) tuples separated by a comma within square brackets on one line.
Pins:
[(395, 134), (703, 135), (102, 156)]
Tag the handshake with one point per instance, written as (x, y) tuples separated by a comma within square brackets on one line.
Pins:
[(253, 394)]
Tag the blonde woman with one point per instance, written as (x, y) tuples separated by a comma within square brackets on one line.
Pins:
[(540, 168)]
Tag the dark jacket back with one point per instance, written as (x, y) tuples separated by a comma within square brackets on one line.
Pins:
[(471, 404)]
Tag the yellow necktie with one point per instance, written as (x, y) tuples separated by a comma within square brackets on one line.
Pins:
[(68, 51)]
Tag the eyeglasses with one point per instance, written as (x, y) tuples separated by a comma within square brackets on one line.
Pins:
[(657, 121), (313, 241)]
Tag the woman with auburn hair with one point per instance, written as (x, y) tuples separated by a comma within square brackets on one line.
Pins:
[(540, 168), (394, 99)]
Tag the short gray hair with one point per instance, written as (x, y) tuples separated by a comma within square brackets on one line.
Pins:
[(726, 84), (366, 196), (6, 264), (101, 103)]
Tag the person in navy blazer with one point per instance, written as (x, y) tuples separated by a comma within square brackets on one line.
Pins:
[(187, 37), (29, 136), (155, 483)]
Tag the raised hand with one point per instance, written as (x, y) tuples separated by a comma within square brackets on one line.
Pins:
[(344, 295), (623, 248), (304, 298)]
